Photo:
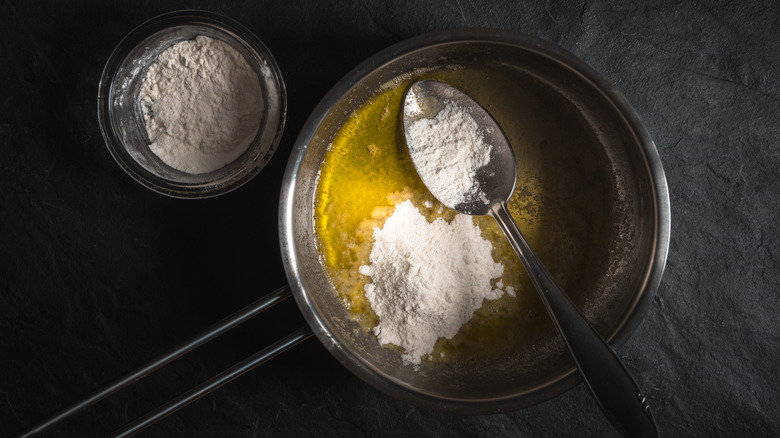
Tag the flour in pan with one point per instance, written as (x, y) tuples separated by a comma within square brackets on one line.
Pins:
[(428, 279)]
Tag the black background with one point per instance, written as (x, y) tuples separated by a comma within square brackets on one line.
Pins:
[(98, 274)]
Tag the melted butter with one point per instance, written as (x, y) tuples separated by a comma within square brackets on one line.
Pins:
[(367, 171)]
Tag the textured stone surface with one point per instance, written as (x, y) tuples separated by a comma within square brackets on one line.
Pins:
[(98, 274)]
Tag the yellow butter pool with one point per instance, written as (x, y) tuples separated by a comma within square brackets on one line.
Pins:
[(367, 171)]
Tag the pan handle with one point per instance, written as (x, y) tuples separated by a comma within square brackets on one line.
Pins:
[(215, 382), (221, 327)]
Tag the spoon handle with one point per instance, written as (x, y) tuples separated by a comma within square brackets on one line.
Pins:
[(608, 380)]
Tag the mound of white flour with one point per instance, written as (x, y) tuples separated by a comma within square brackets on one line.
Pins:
[(427, 279), (447, 151), (202, 105)]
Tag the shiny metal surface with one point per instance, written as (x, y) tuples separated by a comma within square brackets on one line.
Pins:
[(609, 381), (496, 179), (509, 383)]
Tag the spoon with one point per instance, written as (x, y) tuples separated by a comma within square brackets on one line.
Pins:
[(608, 380)]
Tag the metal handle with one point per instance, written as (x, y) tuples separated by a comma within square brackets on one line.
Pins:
[(608, 380), (213, 383), (221, 327)]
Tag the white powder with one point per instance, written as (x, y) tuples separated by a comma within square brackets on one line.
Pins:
[(427, 279), (447, 151), (202, 105)]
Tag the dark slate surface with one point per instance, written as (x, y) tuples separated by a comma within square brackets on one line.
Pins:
[(98, 274)]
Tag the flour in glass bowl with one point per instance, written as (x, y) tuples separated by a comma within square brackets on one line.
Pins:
[(428, 279), (202, 105)]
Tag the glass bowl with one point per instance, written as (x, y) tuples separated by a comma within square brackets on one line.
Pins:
[(120, 113)]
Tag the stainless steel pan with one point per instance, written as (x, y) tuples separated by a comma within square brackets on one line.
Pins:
[(628, 264)]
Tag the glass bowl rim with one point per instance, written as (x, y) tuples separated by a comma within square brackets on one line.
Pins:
[(129, 42)]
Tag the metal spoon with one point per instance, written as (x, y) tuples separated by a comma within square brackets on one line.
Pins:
[(608, 380)]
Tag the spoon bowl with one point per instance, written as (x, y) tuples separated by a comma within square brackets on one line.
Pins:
[(424, 99), (486, 192)]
